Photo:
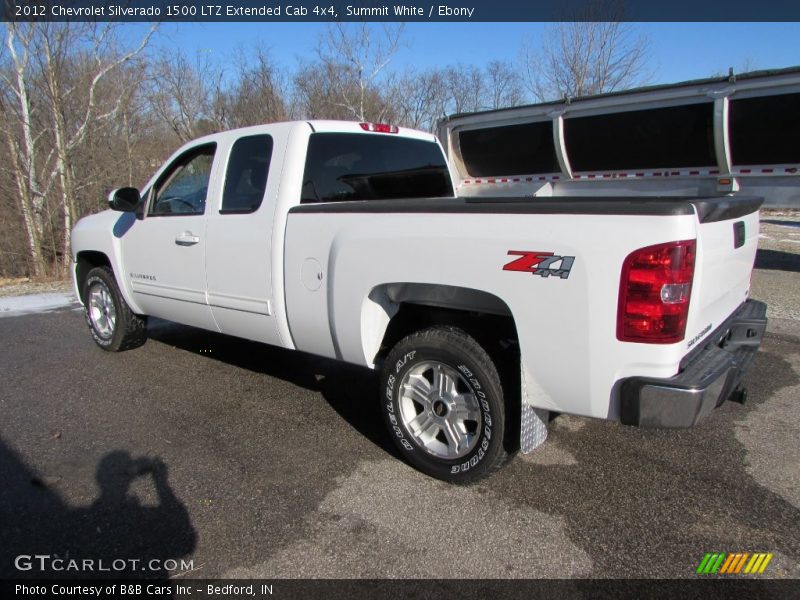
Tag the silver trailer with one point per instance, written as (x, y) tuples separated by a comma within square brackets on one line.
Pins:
[(696, 138)]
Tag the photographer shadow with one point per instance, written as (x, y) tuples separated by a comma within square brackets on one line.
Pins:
[(115, 537)]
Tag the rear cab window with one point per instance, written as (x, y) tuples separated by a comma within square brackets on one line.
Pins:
[(355, 166)]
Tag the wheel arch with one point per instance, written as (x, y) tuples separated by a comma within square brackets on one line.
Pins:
[(85, 261), (393, 310)]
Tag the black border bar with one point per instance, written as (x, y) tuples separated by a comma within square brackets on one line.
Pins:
[(409, 589), (398, 10)]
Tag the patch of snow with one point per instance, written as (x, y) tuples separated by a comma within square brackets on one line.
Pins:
[(15, 306)]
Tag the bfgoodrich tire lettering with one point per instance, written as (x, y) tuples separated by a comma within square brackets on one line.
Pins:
[(113, 325), (442, 401)]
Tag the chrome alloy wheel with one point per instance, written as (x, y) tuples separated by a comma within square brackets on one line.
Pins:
[(440, 410), (102, 311)]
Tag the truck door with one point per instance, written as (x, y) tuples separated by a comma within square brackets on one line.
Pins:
[(164, 253), (239, 249)]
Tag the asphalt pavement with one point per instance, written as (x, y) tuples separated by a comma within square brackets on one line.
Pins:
[(224, 458)]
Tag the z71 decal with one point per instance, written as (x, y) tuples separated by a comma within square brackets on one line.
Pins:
[(544, 264)]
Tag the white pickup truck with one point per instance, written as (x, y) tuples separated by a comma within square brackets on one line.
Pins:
[(484, 314)]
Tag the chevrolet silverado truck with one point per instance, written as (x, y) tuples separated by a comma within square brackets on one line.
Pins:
[(484, 315)]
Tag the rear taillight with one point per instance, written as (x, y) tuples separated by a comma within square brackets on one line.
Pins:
[(654, 293), (379, 127)]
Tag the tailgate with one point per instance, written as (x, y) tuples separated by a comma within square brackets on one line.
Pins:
[(727, 240)]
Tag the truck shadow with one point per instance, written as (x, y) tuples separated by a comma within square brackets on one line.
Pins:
[(777, 260), (114, 537), (350, 390)]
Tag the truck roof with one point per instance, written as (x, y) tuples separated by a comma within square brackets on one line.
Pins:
[(316, 125)]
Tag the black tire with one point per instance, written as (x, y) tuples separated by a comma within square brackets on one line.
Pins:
[(126, 330), (474, 378)]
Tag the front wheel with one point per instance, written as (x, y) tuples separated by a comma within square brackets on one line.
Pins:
[(113, 325), (443, 404)]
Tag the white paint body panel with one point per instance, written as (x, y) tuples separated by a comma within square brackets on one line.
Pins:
[(566, 327), (178, 290), (722, 273)]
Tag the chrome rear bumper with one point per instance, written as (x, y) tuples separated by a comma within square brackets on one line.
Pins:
[(708, 378)]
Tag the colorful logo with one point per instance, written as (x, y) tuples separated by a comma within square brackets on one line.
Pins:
[(540, 263), (734, 563)]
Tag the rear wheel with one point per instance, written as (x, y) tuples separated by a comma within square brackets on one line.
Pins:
[(443, 404), (113, 325)]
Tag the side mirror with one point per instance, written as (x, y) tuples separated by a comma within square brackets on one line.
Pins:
[(125, 199)]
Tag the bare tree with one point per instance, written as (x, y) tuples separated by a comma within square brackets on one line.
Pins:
[(23, 140), (258, 94), (318, 89), (135, 128), (355, 57), (503, 85), (15, 259), (587, 57), (66, 76), (313, 96), (188, 95), (122, 150), (466, 89), (54, 84), (419, 99)]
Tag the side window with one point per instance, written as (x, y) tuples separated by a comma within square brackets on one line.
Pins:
[(182, 189), (246, 179)]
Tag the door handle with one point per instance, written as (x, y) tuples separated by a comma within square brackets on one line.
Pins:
[(187, 238)]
